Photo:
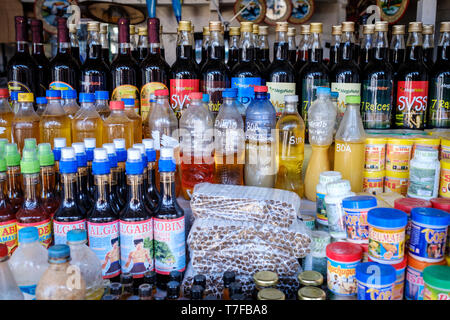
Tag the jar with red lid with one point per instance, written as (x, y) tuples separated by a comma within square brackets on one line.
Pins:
[(406, 205), (441, 204)]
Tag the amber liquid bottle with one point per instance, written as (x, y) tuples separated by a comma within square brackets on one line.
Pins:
[(50, 200), (42, 75), (8, 223), (14, 183)]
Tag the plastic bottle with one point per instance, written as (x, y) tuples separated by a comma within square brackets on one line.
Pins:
[(87, 123), (8, 286), (41, 105), (349, 156), (54, 121), (57, 283), (14, 185), (30, 143), (6, 115), (69, 102), (14, 100), (229, 154), (101, 104), (29, 262), (152, 195), (84, 200), (121, 159), (260, 148), (25, 123), (58, 143), (322, 122), (8, 225), (325, 178), (130, 112), (196, 145), (116, 198), (50, 200), (291, 144), (336, 192), (90, 266), (424, 175), (89, 145), (117, 125)]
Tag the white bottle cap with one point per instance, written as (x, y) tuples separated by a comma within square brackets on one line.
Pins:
[(67, 153), (110, 148), (139, 146), (148, 143), (166, 152), (79, 147), (100, 154), (133, 154), (59, 143), (119, 143), (329, 176), (291, 99), (90, 143), (340, 187)]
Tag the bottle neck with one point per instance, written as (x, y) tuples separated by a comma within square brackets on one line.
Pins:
[(104, 40), (398, 41), (93, 48), (63, 48), (151, 172), (135, 188), (414, 49), (31, 183), (83, 180), (101, 189), (347, 46), (184, 45), (290, 108), (380, 46), (69, 187), (443, 53), (2, 186), (13, 176), (73, 40), (315, 51), (47, 181), (246, 47), (38, 49), (125, 49), (22, 47), (167, 187), (25, 107), (428, 41), (281, 47), (234, 42), (216, 47), (291, 42)]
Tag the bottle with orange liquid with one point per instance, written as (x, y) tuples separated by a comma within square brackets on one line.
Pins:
[(54, 121), (25, 123), (196, 145), (48, 196), (14, 185), (6, 115), (117, 125), (87, 123), (8, 227), (130, 111)]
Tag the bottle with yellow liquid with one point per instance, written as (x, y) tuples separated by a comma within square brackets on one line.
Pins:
[(25, 123), (6, 115), (87, 123), (350, 145), (130, 111), (54, 121), (117, 125), (291, 144), (70, 105)]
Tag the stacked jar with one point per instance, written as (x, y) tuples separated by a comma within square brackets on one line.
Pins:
[(445, 149), (424, 174), (444, 187), (374, 166), (325, 178), (398, 155), (336, 192)]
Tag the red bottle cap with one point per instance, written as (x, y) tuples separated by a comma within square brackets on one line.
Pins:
[(3, 250), (116, 105), (344, 251), (407, 204), (196, 95), (441, 203), (261, 89), (161, 92), (4, 93)]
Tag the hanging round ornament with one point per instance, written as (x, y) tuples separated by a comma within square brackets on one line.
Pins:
[(277, 11), (302, 11), (392, 10), (250, 10), (50, 10)]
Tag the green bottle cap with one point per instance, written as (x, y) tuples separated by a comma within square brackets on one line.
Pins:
[(30, 143), (12, 156), (438, 277), (3, 143), (30, 162), (2, 164), (45, 155), (352, 100)]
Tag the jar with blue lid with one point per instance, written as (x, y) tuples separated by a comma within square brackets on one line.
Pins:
[(356, 209), (375, 281), (428, 237)]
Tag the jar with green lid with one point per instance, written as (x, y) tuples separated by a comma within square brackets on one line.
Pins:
[(310, 278), (270, 294), (264, 280), (311, 293), (437, 283)]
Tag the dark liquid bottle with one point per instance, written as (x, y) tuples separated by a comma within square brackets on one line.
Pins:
[(42, 76), (142, 47), (14, 185), (152, 195), (74, 45), (65, 72), (50, 200), (228, 278), (116, 201), (94, 72), (8, 223), (184, 76), (121, 159), (377, 83), (89, 145), (205, 47), (233, 47), (163, 51), (58, 143), (336, 34), (412, 84), (366, 46), (197, 292), (126, 279), (105, 43), (303, 48), (428, 45), (439, 102), (21, 67), (133, 42), (69, 215), (168, 222), (292, 52), (263, 55), (255, 39), (397, 47), (84, 200)]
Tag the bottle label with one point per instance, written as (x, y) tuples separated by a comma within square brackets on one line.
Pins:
[(8, 235), (29, 292), (214, 89), (127, 91), (147, 90), (309, 90), (44, 230), (246, 88), (170, 245), (376, 104), (104, 241), (336, 220), (321, 211), (92, 83), (344, 90), (440, 103), (277, 91), (179, 93), (18, 86), (60, 229), (59, 85), (412, 99), (427, 243), (136, 247), (423, 182)]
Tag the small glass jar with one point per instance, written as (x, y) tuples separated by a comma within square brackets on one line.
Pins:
[(310, 278), (271, 294), (311, 293), (264, 280)]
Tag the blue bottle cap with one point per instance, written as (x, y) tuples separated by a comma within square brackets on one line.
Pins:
[(59, 253), (334, 94), (120, 149), (28, 235), (205, 98), (68, 162), (128, 102), (58, 144), (76, 235), (86, 97), (80, 154), (41, 100), (323, 90), (100, 164), (69, 94), (53, 94), (15, 95), (166, 161), (134, 164), (430, 216), (230, 93), (359, 202), (112, 156), (387, 218), (374, 273), (101, 95), (149, 149), (89, 144)]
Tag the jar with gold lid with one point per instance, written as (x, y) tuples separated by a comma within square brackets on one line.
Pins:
[(264, 280), (311, 293), (310, 278), (271, 294)]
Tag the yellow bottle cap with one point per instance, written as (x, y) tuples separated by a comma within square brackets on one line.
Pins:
[(25, 97)]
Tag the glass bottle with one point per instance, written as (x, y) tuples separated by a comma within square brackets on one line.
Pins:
[(116, 200), (8, 286), (263, 55), (115, 290), (205, 47), (50, 199), (70, 215), (199, 280), (233, 47), (8, 223), (197, 292), (74, 44), (229, 153), (58, 143), (145, 292), (151, 194), (105, 43), (121, 152), (142, 44), (366, 45), (89, 145), (304, 45), (101, 104), (336, 34), (25, 123), (118, 125), (56, 282), (161, 33), (260, 148), (291, 144), (32, 213), (173, 290), (264, 280), (281, 73), (150, 279), (168, 221), (84, 200), (54, 121), (42, 76), (397, 48), (87, 123), (41, 104), (428, 45), (69, 102), (228, 278), (133, 42), (6, 115), (255, 40), (14, 184), (292, 51)]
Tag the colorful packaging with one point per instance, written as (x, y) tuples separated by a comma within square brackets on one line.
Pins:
[(424, 175), (444, 187), (387, 235), (445, 149), (342, 259), (356, 209), (396, 182), (428, 234), (411, 104), (365, 254), (398, 154), (406, 205), (373, 181), (399, 286), (375, 281), (437, 283), (44, 228), (60, 229), (8, 235), (425, 143), (375, 154)]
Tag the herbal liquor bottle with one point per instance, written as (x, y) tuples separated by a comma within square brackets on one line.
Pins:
[(428, 45), (54, 121), (58, 143), (42, 76), (206, 47), (366, 43), (397, 47), (25, 123), (292, 51), (121, 152), (117, 202), (105, 43), (6, 115), (152, 195), (336, 34), (89, 145), (142, 44), (262, 54), (50, 200), (84, 200), (87, 123), (118, 125), (303, 47), (74, 44)]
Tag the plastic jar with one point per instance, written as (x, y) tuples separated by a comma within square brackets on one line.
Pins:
[(336, 192), (406, 205), (317, 258), (437, 283), (375, 153), (375, 281), (425, 143), (309, 221), (342, 259), (398, 154), (414, 277), (428, 234), (321, 191), (355, 210), (445, 149), (365, 254), (373, 181), (399, 285), (396, 182), (441, 204), (387, 235), (444, 187), (424, 175)]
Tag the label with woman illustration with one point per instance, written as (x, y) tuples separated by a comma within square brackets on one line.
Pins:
[(386, 246)]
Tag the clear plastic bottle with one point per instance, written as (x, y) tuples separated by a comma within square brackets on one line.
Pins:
[(131, 113), (117, 125), (322, 122), (196, 145), (54, 121), (29, 262), (349, 155), (41, 105), (6, 115), (229, 156), (101, 103), (8, 286), (291, 148), (25, 123), (70, 105), (89, 264), (87, 123), (336, 192)]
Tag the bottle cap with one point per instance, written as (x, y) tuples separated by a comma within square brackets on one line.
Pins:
[(387, 217), (197, 292), (271, 294), (12, 155), (368, 29), (315, 27), (196, 96), (206, 31), (263, 30), (329, 176), (90, 144), (205, 98), (112, 156), (142, 31), (200, 279), (145, 290), (265, 278), (150, 149), (445, 27), (229, 93), (59, 253), (128, 102), (141, 148), (45, 154), (348, 26), (28, 235), (437, 277), (93, 26), (359, 202), (336, 30), (76, 235), (235, 31), (184, 26), (407, 204), (53, 94), (3, 250), (374, 273), (29, 163), (161, 92), (115, 288), (246, 26), (120, 149), (26, 97), (415, 26), (100, 164), (4, 93), (176, 276), (215, 26), (344, 251), (338, 187), (428, 29), (311, 293), (291, 99), (281, 26), (398, 29), (30, 143), (323, 91), (101, 95), (68, 162), (58, 144), (166, 161), (310, 278), (86, 97), (255, 29), (41, 100), (103, 28), (228, 278), (173, 288), (334, 94), (15, 95), (381, 26), (352, 99), (116, 105), (69, 94), (441, 203), (72, 27), (80, 154), (430, 216), (261, 89), (292, 32)]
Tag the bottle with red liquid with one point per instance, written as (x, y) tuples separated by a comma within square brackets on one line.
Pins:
[(42, 75), (32, 212), (14, 185), (196, 145), (50, 200), (8, 224)]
